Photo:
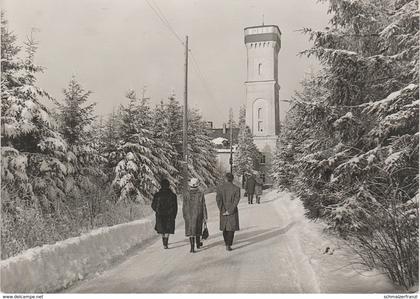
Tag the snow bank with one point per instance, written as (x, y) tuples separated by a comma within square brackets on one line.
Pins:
[(53, 267), (328, 264)]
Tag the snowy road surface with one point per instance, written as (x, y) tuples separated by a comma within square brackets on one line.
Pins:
[(276, 251)]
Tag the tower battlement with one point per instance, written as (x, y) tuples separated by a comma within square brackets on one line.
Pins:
[(265, 35)]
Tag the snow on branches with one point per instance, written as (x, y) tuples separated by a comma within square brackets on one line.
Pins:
[(350, 142)]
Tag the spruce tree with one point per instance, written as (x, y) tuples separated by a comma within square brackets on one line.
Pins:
[(76, 115), (358, 122), (109, 142), (34, 155), (143, 162), (161, 135), (245, 159), (202, 156)]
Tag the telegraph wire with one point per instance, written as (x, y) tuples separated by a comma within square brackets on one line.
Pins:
[(158, 12), (164, 20), (201, 75)]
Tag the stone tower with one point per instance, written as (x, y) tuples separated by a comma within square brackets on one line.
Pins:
[(262, 89)]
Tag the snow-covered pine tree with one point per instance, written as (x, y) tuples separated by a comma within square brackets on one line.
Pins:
[(359, 165), (109, 140), (76, 115), (173, 129), (246, 157), (33, 152), (201, 153), (202, 156), (76, 125), (143, 163), (87, 179), (285, 167), (35, 158), (163, 148)]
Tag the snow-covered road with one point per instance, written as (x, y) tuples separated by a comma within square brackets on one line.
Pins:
[(268, 257)]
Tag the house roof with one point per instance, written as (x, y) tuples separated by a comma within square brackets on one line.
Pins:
[(218, 133)]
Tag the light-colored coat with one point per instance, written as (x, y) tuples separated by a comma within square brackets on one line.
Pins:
[(194, 211), (258, 187), (228, 196)]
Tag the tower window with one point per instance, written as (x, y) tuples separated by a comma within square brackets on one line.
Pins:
[(262, 159), (260, 126), (259, 113), (259, 69)]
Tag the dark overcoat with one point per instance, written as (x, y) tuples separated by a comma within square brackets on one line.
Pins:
[(250, 185), (194, 211), (166, 207), (228, 196)]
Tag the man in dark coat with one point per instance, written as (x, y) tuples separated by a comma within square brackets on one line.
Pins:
[(166, 207), (228, 196), (250, 188)]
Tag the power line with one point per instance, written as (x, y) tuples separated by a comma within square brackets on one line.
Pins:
[(204, 81), (168, 25), (164, 20), (159, 13), (200, 75)]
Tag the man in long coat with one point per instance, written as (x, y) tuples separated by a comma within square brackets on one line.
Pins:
[(250, 189), (228, 196)]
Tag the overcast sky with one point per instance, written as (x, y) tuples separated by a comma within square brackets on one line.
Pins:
[(111, 46)]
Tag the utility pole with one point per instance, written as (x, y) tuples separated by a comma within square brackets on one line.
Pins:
[(185, 122), (231, 139)]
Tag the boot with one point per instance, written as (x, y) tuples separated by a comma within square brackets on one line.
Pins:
[(192, 244), (165, 242), (197, 240)]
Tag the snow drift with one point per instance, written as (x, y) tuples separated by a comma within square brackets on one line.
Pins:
[(326, 262), (56, 266)]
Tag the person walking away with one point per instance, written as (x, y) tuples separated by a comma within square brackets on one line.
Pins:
[(195, 213), (258, 189), (166, 207), (227, 197), (244, 183), (250, 189)]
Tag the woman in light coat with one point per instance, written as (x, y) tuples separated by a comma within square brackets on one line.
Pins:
[(195, 213)]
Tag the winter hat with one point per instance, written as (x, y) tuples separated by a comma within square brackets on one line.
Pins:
[(193, 183)]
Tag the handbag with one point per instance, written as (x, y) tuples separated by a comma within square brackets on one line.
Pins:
[(205, 233)]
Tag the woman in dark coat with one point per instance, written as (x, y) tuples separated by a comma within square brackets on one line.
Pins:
[(166, 207), (194, 212)]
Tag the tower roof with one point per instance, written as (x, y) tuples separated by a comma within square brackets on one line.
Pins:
[(262, 33), (261, 26)]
